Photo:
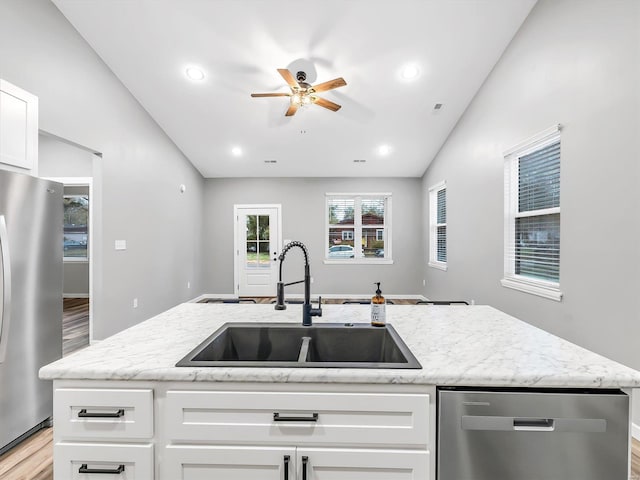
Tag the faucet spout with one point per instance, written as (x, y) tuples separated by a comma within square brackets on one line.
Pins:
[(307, 310)]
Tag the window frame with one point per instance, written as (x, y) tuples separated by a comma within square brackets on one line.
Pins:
[(359, 258), (433, 226), (543, 288)]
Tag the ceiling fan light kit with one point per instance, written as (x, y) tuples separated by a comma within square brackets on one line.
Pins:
[(303, 94)]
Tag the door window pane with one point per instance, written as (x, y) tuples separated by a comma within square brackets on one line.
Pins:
[(263, 227), (252, 254), (263, 254), (252, 227)]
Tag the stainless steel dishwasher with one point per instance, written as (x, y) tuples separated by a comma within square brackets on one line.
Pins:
[(520, 434)]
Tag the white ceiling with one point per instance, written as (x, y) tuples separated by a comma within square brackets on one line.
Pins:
[(240, 44)]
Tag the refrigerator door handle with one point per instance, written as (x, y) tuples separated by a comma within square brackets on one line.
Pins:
[(5, 288)]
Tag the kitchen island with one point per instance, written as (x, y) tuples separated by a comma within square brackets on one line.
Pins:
[(123, 405)]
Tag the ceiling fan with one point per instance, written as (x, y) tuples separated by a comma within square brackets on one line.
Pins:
[(304, 94)]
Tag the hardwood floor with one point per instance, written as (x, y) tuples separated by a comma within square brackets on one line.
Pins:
[(33, 458), (75, 325)]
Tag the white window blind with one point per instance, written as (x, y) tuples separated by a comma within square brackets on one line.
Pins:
[(438, 226), (532, 230)]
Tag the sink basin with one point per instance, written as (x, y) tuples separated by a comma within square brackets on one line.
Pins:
[(326, 345)]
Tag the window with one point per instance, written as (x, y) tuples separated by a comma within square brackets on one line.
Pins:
[(76, 226), (438, 226), (358, 228), (532, 216)]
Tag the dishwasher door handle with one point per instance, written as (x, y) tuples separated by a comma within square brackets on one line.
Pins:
[(533, 424)]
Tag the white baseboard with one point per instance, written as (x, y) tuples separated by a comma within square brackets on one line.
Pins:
[(75, 295), (635, 431)]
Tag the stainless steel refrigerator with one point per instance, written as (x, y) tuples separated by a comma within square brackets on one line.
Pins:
[(31, 276)]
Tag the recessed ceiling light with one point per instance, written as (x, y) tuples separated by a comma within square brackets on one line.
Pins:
[(384, 149), (236, 151), (194, 73), (410, 71)]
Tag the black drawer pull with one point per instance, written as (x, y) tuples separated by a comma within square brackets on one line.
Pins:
[(305, 460), (287, 459), (278, 418), (110, 471), (84, 414)]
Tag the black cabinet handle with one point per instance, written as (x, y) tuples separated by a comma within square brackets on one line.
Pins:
[(304, 467), (108, 471), (278, 418), (286, 467), (84, 414)]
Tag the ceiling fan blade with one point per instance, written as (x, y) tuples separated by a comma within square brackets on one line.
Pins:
[(286, 74), (270, 94), (327, 104), (293, 108), (330, 85)]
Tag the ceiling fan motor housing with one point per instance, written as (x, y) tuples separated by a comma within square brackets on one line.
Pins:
[(301, 76)]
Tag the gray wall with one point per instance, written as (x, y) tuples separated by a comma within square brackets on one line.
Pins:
[(576, 63), (82, 101), (303, 212)]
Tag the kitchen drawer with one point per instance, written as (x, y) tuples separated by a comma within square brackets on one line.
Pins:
[(374, 419), (100, 414), (85, 461)]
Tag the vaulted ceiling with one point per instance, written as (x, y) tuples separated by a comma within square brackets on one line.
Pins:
[(239, 44)]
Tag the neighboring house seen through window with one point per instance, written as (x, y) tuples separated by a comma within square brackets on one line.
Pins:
[(358, 228), (532, 216), (438, 226)]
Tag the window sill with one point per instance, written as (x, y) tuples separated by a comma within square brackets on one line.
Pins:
[(359, 261), (541, 289), (438, 265)]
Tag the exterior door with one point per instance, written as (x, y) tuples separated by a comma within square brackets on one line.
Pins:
[(257, 249)]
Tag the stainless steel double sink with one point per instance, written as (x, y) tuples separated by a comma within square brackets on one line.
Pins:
[(324, 345)]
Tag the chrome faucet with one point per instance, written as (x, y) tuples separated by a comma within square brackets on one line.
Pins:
[(307, 309)]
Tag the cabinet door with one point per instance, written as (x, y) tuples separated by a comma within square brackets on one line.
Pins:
[(346, 464), (189, 462), (18, 127)]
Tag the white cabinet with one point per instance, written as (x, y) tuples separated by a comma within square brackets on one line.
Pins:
[(18, 129), (229, 463), (372, 433), (200, 462), (242, 431), (85, 461), (102, 431), (354, 464)]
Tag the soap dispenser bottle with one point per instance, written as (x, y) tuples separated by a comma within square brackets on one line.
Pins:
[(378, 314)]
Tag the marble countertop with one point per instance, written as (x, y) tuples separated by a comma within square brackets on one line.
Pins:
[(456, 345)]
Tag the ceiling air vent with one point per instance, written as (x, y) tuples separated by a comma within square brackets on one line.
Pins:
[(359, 161)]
